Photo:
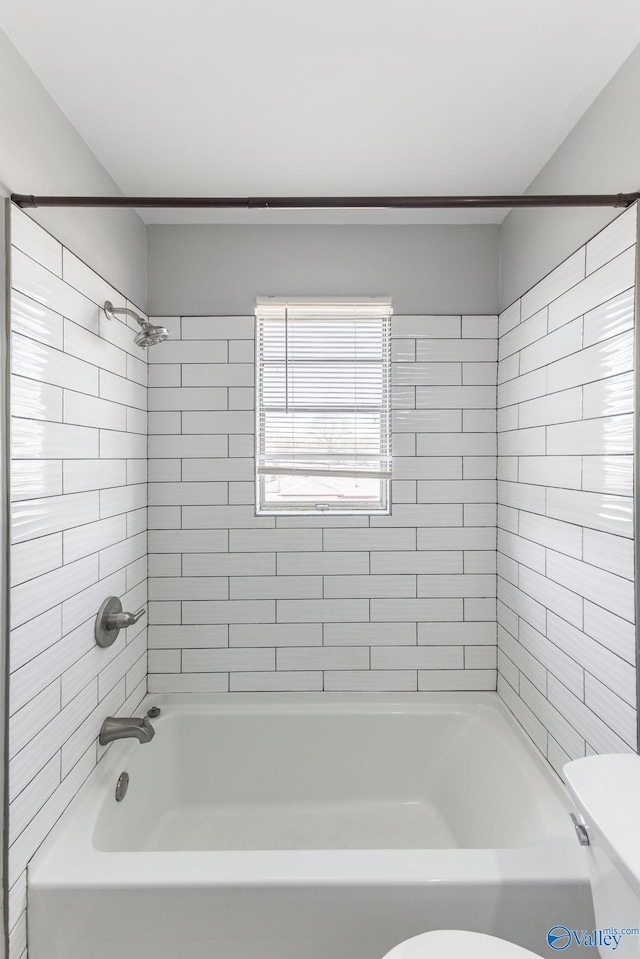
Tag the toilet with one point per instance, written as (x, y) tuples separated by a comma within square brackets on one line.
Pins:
[(456, 944), (606, 792)]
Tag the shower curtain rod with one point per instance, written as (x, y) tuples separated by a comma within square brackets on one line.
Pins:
[(27, 201)]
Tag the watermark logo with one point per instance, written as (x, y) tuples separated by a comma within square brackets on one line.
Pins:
[(560, 937)]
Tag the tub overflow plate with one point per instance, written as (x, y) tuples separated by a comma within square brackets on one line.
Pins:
[(121, 786)]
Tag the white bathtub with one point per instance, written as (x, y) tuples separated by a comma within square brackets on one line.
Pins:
[(328, 827)]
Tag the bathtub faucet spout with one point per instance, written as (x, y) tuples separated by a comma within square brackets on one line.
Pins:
[(125, 727)]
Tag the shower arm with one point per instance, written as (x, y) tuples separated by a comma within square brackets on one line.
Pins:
[(111, 311)]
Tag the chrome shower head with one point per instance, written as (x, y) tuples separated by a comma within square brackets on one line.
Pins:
[(149, 335)]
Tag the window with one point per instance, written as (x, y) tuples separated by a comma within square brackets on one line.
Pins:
[(322, 405)]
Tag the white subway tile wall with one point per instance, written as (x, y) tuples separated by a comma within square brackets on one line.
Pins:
[(337, 603), (79, 534), (401, 602), (566, 637)]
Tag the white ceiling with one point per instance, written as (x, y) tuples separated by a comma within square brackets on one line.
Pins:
[(323, 97)]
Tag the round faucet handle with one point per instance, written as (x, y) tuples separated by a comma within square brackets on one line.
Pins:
[(111, 619)]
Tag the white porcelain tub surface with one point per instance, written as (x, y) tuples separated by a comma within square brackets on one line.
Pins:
[(328, 827)]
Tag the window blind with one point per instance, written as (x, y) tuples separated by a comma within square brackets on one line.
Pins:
[(323, 388)]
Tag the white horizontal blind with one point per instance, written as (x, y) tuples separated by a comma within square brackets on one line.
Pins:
[(323, 385)]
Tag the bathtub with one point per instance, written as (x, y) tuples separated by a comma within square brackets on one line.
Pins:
[(309, 827)]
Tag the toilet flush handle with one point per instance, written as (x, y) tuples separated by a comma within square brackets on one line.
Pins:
[(582, 831)]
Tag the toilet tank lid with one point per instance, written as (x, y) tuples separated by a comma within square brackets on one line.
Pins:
[(606, 792)]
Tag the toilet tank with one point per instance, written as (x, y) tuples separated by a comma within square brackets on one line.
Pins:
[(606, 793)]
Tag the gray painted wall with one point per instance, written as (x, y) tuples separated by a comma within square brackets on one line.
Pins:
[(42, 153), (600, 155), (202, 269)]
